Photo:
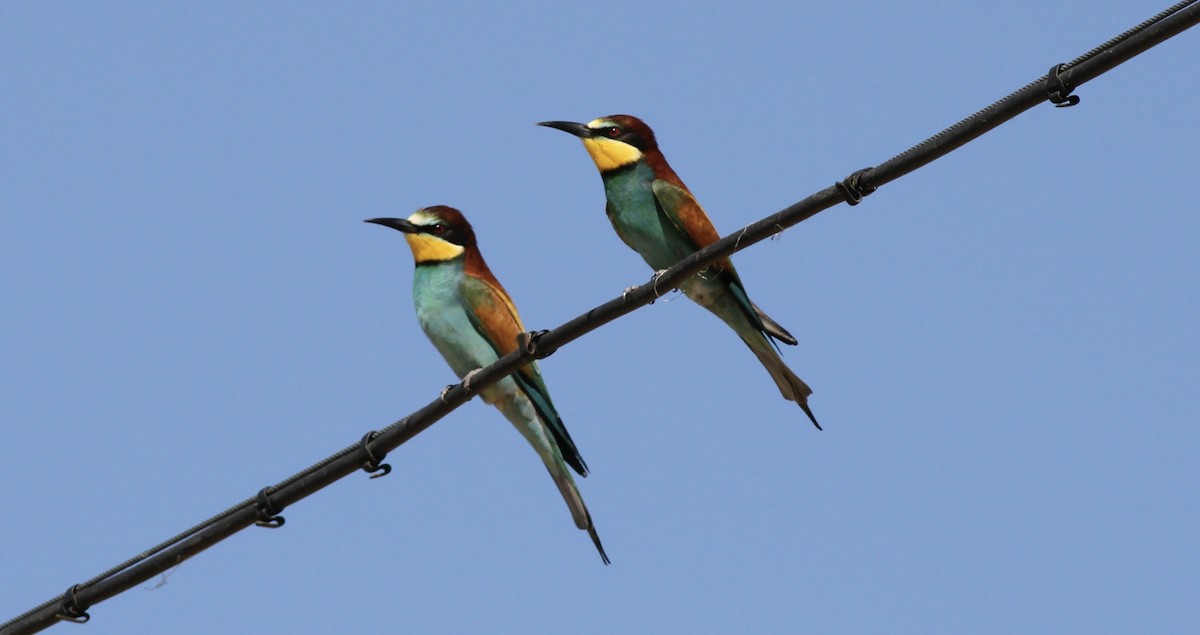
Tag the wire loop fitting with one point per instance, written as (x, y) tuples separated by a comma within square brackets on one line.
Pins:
[(1059, 90), (71, 610), (528, 342), (855, 187), (268, 514), (373, 464)]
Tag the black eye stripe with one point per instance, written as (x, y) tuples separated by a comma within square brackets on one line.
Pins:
[(617, 133), (446, 233), (609, 131)]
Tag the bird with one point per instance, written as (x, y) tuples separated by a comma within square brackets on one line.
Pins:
[(472, 322), (656, 215)]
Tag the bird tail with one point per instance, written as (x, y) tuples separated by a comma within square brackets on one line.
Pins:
[(727, 300), (522, 414), (772, 328), (790, 385), (579, 511)]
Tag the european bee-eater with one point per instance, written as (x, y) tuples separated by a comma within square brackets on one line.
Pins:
[(655, 214), (472, 322)]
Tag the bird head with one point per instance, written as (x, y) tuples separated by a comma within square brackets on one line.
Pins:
[(614, 141), (434, 233)]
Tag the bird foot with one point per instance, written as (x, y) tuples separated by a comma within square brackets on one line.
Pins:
[(654, 279), (468, 378), (446, 391)]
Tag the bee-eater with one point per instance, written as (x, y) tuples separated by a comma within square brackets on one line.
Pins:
[(655, 214), (472, 322)]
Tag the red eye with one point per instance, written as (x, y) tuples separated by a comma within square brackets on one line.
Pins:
[(439, 229), (613, 132)]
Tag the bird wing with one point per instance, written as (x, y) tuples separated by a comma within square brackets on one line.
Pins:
[(494, 316), (678, 206)]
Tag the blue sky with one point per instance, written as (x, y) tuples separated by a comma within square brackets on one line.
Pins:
[(1003, 345)]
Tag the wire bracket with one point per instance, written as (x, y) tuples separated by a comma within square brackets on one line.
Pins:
[(528, 342), (71, 610), (1058, 90), (854, 187), (373, 464), (268, 513)]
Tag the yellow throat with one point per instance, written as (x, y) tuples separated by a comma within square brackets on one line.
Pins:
[(610, 154)]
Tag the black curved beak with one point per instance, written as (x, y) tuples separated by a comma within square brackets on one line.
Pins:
[(396, 223), (577, 129)]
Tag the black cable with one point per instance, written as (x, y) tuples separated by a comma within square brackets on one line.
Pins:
[(367, 453), (1175, 19)]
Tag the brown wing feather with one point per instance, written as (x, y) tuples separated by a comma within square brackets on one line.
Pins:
[(492, 305), (682, 209), (496, 317)]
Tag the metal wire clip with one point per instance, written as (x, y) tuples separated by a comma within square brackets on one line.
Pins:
[(373, 464), (853, 188), (71, 610), (1059, 90), (268, 514)]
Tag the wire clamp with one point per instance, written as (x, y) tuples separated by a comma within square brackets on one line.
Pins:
[(1058, 90), (268, 514), (71, 610), (855, 187), (373, 464), (528, 342)]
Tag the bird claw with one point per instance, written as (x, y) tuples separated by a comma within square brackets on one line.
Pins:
[(654, 280), (467, 380), (446, 391)]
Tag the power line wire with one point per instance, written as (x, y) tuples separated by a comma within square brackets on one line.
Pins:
[(264, 508)]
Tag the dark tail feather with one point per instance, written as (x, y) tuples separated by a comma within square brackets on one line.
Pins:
[(773, 329), (591, 529), (579, 511), (541, 403), (807, 411)]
